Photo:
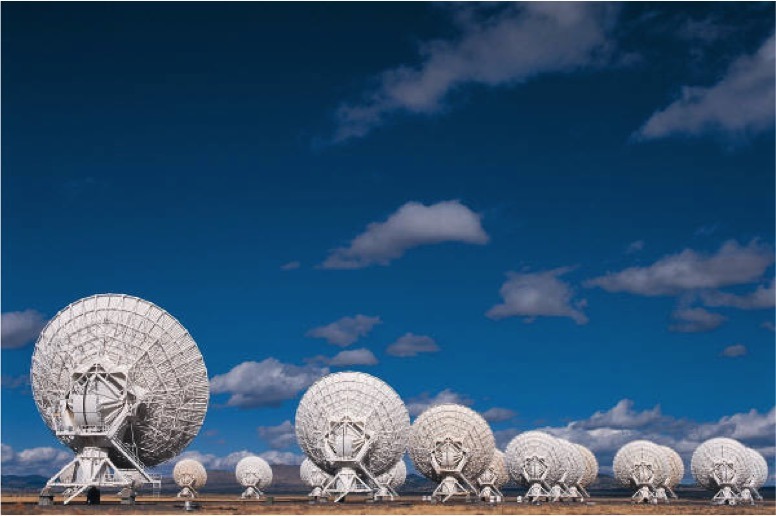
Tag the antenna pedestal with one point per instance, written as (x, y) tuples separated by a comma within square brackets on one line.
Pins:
[(447, 488), (537, 493), (346, 481), (725, 496), (252, 493)]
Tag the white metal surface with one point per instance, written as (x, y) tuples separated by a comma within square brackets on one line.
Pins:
[(644, 466), (591, 466), (534, 460), (190, 475), (758, 469), (312, 475), (395, 477), (254, 474), (122, 383), (675, 467), (353, 426), (719, 462)]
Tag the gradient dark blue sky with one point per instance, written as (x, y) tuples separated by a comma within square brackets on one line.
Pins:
[(185, 152)]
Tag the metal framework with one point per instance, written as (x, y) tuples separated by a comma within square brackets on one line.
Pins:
[(758, 475), (451, 444), (122, 383), (494, 476), (255, 474), (314, 477), (387, 483), (353, 426), (190, 475), (534, 460)]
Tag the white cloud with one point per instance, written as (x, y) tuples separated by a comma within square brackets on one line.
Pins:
[(634, 247), (33, 461), (349, 357), (290, 266), (736, 350), (741, 103), (279, 436), (21, 382), (264, 384), (694, 320), (768, 325), (732, 264), (282, 457), (345, 331), (20, 328), (211, 461), (412, 225), (496, 47), (764, 296), (531, 295), (498, 414), (418, 404), (410, 345)]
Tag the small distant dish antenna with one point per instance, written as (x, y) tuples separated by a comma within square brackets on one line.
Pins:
[(254, 474), (122, 383), (314, 477), (190, 475), (354, 427), (494, 476), (534, 460), (452, 445), (644, 466), (591, 468), (389, 482), (758, 475)]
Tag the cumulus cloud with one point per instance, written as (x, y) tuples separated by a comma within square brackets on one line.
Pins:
[(634, 247), (413, 224), (410, 345), (498, 414), (345, 331), (20, 328), (732, 264), (694, 320), (21, 382), (418, 404), (531, 295), (764, 296), (229, 462), (348, 357), (264, 384), (741, 103), (768, 325), (290, 266), (282, 457), (278, 436), (736, 350), (496, 47), (33, 461)]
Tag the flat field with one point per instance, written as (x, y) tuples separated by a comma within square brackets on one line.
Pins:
[(213, 504)]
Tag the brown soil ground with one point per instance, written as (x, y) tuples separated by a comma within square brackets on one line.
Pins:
[(26, 504)]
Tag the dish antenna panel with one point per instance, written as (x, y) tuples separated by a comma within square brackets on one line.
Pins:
[(190, 475), (642, 465), (535, 460), (494, 476), (389, 482), (451, 444), (353, 426), (674, 475), (254, 474), (722, 465), (591, 468), (122, 383), (314, 477), (758, 475), (573, 466)]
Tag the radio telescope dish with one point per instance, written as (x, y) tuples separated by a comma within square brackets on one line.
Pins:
[(190, 475), (643, 466), (534, 460), (349, 424), (451, 443), (389, 482), (721, 465), (591, 466), (494, 476), (573, 470), (122, 383), (254, 474), (758, 475), (314, 477)]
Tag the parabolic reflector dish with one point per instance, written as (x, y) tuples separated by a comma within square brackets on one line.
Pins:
[(345, 407), (675, 466), (720, 461), (640, 463), (189, 473), (758, 469), (312, 475), (442, 432), (534, 455), (113, 357), (496, 473), (591, 465), (253, 471), (395, 477)]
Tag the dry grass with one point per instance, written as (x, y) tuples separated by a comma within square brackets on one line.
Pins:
[(408, 505)]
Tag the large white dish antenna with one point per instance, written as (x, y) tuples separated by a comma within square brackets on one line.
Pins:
[(352, 425), (395, 477), (121, 382), (534, 457), (644, 466), (591, 466), (721, 465)]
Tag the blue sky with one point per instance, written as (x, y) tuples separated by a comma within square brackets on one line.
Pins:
[(561, 214)]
